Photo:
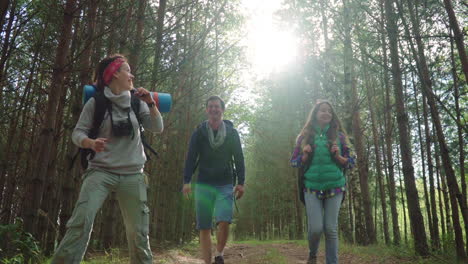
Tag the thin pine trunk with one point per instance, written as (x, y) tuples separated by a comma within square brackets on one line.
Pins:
[(37, 181), (13, 178), (125, 23), (350, 87), (389, 134), (71, 175), (159, 37), (416, 219), (139, 41), (461, 143), (6, 162), (430, 166), (6, 48), (453, 188), (445, 195), (405, 225), (423, 159), (380, 181), (3, 10), (459, 38), (443, 223)]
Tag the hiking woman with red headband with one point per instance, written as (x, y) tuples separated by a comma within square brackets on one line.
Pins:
[(115, 163)]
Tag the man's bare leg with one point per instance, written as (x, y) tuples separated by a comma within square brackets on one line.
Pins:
[(222, 236), (205, 243)]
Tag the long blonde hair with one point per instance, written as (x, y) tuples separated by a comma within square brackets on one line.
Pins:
[(308, 131)]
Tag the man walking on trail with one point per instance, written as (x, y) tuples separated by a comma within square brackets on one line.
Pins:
[(217, 146)]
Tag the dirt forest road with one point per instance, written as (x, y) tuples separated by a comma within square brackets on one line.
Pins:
[(281, 253)]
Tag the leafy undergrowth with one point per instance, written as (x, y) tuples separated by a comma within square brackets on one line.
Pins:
[(17, 246)]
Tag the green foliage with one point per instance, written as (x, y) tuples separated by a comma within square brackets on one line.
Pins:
[(17, 246), (404, 254)]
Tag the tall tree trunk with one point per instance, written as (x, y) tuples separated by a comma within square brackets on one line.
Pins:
[(45, 143), (138, 43), (159, 36), (3, 10), (4, 169), (461, 144), (402, 195), (389, 134), (416, 219), (444, 151), (6, 48), (445, 195), (430, 166), (380, 177), (423, 164), (5, 163), (458, 35), (443, 220), (380, 182), (69, 185), (432, 228), (350, 86), (125, 25)]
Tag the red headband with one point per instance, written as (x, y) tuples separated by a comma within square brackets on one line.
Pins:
[(111, 69)]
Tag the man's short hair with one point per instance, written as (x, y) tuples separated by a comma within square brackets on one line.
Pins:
[(215, 97)]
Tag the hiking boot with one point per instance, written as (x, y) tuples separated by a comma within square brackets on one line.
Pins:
[(219, 260), (312, 260)]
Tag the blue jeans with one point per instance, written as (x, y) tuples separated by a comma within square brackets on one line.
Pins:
[(211, 199), (322, 216)]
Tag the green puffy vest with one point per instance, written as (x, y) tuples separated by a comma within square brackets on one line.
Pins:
[(324, 173)]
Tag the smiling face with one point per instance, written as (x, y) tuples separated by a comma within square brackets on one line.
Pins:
[(324, 114), (123, 78), (214, 110)]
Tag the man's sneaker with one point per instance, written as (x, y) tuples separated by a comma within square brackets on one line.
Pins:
[(219, 260)]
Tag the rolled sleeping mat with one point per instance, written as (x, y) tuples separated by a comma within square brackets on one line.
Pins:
[(163, 101), (88, 92)]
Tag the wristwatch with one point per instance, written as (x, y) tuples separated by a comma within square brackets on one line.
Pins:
[(150, 104)]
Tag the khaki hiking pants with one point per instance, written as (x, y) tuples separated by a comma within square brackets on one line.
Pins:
[(131, 195)]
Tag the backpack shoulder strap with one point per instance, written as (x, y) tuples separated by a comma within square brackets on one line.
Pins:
[(135, 103), (101, 105)]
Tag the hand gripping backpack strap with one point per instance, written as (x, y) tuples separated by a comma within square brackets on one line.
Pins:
[(101, 105)]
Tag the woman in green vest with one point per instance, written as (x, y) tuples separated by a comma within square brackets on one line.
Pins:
[(322, 153)]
